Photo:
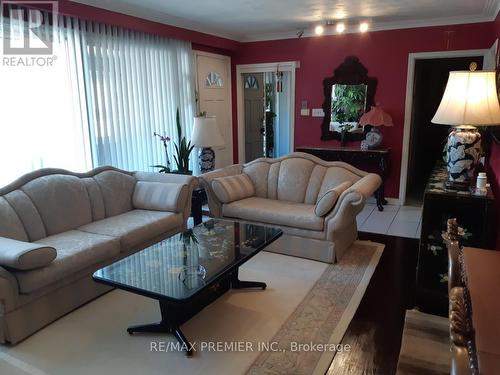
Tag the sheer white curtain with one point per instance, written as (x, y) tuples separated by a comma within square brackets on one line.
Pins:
[(43, 115), (135, 82)]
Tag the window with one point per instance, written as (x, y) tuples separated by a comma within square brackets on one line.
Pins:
[(108, 91), (251, 83), (43, 120), (214, 80), (135, 83)]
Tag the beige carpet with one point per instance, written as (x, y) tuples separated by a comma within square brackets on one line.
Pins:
[(425, 348), (306, 301)]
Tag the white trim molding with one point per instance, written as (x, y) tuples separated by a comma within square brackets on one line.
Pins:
[(412, 58), (287, 66)]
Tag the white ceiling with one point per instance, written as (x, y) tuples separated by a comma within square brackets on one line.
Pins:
[(248, 20)]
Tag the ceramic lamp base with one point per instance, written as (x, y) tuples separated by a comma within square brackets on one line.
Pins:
[(373, 138), (463, 153), (207, 159)]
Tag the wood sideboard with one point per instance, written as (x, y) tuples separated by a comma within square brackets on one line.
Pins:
[(375, 160)]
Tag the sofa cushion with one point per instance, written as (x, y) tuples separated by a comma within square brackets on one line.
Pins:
[(135, 227), (22, 255), (293, 179), (61, 200), (334, 176), (159, 196), (96, 200), (258, 172), (326, 203), (315, 182), (10, 224), (28, 214), (116, 189), (76, 250), (269, 211), (232, 188)]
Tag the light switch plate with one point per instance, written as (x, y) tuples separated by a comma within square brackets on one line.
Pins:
[(318, 112), (304, 112)]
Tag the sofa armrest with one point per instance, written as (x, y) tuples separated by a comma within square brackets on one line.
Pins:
[(367, 185), (190, 181), (214, 204), (9, 291), (350, 204)]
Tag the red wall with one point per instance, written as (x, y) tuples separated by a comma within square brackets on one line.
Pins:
[(384, 54)]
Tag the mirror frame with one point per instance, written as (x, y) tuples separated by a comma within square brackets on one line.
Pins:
[(350, 72)]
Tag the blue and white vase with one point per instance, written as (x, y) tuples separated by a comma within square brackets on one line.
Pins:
[(207, 159), (463, 153)]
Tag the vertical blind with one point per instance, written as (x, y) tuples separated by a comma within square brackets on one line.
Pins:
[(43, 108), (135, 83), (109, 90)]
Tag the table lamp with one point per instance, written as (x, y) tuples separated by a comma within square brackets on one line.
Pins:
[(375, 117), (470, 99), (206, 134)]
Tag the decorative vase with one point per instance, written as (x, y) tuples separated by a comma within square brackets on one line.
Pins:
[(373, 138), (207, 159), (463, 153)]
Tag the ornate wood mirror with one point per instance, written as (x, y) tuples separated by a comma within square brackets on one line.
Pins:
[(348, 94)]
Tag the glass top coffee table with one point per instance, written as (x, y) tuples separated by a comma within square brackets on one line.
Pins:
[(189, 270)]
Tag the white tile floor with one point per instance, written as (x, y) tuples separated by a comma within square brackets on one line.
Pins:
[(403, 221)]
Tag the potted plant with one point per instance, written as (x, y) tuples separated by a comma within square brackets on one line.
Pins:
[(164, 168), (182, 151)]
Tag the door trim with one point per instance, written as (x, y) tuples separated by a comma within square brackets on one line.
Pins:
[(412, 58), (197, 53), (287, 66)]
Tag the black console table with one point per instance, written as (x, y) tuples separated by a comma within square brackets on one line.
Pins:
[(474, 213), (376, 159)]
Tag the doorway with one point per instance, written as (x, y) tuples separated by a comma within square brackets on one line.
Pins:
[(213, 87), (427, 139), (266, 96), (254, 92)]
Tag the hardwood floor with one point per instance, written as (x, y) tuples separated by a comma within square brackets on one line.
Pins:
[(376, 330)]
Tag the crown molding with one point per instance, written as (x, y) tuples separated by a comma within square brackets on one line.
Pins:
[(489, 14), (380, 26)]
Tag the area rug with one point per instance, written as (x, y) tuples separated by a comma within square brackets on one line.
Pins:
[(425, 348), (278, 330)]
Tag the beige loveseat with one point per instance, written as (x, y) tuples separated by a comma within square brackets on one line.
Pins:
[(287, 192), (80, 222)]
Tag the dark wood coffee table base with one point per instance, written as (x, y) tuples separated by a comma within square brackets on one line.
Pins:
[(173, 314)]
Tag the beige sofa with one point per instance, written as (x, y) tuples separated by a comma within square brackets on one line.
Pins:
[(287, 192), (91, 220)]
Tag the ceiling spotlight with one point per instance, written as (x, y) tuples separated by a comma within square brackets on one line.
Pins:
[(340, 27), (319, 30), (363, 27)]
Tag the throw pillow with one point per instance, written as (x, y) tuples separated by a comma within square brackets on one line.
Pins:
[(22, 255), (326, 203), (232, 188)]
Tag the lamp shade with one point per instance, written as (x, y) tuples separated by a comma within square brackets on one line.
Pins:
[(376, 117), (206, 132), (470, 98)]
